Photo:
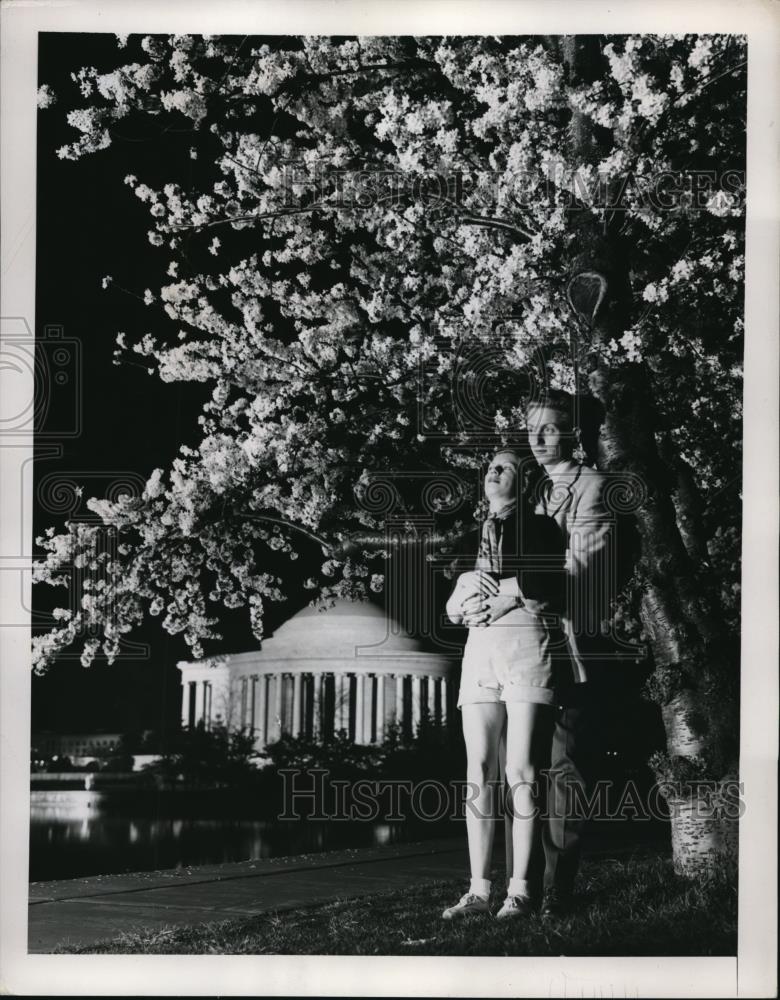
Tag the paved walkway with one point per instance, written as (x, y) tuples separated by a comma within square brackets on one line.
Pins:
[(84, 910)]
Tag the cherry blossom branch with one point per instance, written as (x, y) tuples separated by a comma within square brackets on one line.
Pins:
[(256, 217), (490, 223), (473, 220), (713, 79)]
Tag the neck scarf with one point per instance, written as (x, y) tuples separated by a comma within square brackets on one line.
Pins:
[(489, 557)]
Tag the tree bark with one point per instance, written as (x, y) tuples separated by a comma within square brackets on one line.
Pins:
[(688, 505)]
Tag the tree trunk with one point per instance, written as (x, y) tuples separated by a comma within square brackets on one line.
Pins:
[(704, 839)]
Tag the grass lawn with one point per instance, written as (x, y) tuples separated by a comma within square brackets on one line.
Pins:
[(628, 907)]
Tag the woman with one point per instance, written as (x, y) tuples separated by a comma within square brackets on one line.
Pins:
[(509, 602)]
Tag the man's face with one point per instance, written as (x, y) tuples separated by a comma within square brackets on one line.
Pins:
[(549, 436), (501, 478)]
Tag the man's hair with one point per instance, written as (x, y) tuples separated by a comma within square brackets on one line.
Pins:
[(558, 401)]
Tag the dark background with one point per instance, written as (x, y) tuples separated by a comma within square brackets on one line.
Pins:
[(89, 225)]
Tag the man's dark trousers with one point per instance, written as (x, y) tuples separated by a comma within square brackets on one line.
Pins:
[(573, 765)]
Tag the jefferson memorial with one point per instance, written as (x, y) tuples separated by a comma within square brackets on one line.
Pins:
[(349, 668)]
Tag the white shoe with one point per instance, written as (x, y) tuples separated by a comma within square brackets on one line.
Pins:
[(469, 903), (515, 906)]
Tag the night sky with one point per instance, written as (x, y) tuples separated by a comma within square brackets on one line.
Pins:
[(89, 224)]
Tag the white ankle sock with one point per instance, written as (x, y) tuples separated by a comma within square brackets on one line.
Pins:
[(518, 887), (480, 887)]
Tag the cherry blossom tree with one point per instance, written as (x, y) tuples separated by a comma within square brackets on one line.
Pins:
[(367, 217)]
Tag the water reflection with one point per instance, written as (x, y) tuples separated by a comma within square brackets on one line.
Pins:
[(383, 833), (70, 805), (72, 837)]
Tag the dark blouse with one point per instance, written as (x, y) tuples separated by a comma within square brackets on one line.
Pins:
[(533, 549)]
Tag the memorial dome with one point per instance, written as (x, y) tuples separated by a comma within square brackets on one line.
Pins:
[(347, 629), (346, 668)]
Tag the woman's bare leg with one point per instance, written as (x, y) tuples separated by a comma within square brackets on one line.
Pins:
[(526, 754), (483, 725), (508, 851)]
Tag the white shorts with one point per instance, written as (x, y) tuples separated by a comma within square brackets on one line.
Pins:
[(511, 660)]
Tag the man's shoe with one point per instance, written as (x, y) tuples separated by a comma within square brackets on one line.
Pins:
[(470, 903), (515, 906), (555, 903)]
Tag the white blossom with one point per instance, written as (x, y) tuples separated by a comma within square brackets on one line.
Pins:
[(46, 97)]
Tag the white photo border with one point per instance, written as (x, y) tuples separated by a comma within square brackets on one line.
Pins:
[(752, 973)]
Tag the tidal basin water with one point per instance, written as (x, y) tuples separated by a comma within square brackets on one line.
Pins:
[(70, 836)]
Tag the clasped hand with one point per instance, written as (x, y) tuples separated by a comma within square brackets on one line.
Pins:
[(481, 604)]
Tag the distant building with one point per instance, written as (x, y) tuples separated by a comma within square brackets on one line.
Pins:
[(347, 668), (75, 745)]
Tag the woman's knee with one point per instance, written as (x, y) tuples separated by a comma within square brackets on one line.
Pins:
[(520, 775), (481, 770)]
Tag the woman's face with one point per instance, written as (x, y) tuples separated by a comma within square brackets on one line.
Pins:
[(501, 479)]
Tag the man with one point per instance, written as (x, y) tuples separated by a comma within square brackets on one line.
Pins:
[(574, 495)]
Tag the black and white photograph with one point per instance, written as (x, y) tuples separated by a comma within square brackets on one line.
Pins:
[(390, 506)]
